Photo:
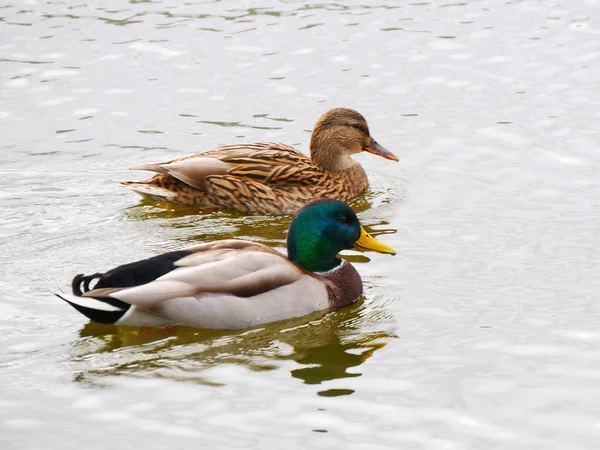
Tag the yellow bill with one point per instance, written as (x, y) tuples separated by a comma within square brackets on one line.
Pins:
[(370, 243)]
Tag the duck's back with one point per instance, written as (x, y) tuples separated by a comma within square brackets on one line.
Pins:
[(228, 284)]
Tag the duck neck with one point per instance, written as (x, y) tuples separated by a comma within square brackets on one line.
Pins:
[(326, 153)]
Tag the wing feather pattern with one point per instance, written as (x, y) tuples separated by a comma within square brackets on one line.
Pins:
[(227, 284), (239, 273)]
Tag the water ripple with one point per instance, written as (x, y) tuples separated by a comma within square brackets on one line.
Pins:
[(480, 333)]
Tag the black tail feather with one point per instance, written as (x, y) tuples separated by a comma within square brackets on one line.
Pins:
[(109, 309), (86, 279)]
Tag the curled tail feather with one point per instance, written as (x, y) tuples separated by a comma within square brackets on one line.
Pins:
[(86, 280)]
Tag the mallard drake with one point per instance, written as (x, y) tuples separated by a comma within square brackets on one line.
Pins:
[(267, 177), (234, 284)]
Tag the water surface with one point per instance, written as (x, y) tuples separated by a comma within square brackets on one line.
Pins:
[(481, 333)]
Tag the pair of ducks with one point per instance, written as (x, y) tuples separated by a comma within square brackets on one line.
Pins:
[(234, 284)]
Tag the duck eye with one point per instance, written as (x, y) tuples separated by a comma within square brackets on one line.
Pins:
[(355, 125), (343, 219)]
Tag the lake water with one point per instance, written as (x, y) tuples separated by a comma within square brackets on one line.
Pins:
[(481, 333)]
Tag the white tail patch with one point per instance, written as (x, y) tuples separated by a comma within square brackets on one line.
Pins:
[(89, 302), (151, 192)]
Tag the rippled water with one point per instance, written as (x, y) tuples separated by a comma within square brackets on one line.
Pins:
[(481, 333)]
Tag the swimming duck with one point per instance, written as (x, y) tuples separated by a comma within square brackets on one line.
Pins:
[(267, 177), (233, 284)]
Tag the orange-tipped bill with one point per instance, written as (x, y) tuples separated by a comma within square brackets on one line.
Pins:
[(370, 243), (378, 150)]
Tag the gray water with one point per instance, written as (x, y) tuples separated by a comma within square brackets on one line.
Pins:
[(481, 333)]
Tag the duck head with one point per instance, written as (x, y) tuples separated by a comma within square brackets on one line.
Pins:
[(339, 133), (323, 228)]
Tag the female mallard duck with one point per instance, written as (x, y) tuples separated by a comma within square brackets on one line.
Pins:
[(233, 284), (269, 178)]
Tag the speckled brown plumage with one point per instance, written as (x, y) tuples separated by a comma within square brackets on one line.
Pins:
[(269, 178)]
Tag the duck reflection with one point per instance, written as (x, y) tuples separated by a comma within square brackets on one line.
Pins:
[(205, 226), (148, 209), (325, 345)]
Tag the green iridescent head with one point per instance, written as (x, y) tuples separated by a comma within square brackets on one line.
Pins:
[(322, 229)]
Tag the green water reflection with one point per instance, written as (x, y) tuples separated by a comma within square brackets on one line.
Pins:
[(213, 225)]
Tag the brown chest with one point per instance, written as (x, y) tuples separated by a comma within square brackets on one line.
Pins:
[(344, 287), (350, 183)]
